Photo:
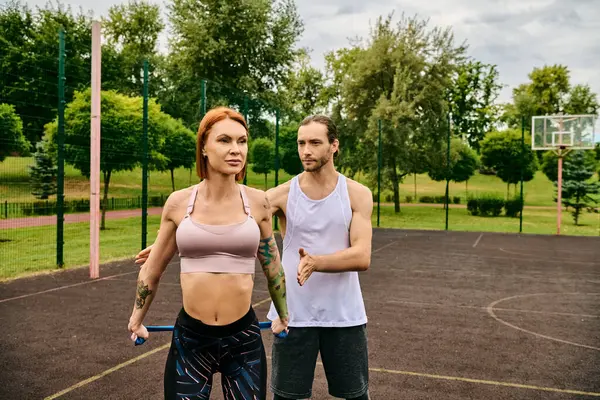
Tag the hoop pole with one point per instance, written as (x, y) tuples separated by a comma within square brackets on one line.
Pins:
[(95, 155), (559, 199)]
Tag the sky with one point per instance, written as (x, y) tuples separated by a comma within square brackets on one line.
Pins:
[(515, 35)]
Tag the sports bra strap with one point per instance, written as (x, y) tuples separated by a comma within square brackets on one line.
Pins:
[(192, 200), (245, 200)]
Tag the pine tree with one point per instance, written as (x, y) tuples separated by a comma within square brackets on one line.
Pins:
[(576, 185), (42, 173)]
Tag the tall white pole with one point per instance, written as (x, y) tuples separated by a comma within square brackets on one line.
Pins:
[(95, 154)]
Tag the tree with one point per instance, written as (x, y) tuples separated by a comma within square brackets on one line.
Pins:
[(290, 160), (463, 163), (178, 148), (548, 92), (121, 135), (576, 187), (29, 62), (131, 31), (43, 172), (472, 95), (303, 92), (503, 152), (401, 76), (263, 152), (12, 139), (581, 100), (247, 45)]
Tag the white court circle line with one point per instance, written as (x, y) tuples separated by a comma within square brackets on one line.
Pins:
[(490, 311)]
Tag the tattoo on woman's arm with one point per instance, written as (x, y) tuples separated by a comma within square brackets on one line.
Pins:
[(142, 293), (268, 257)]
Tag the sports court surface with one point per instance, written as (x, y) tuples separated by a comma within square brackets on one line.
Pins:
[(452, 316)]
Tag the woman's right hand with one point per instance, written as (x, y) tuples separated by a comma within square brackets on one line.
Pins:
[(138, 331), (279, 325)]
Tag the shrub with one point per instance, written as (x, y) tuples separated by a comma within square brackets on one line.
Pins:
[(513, 207)]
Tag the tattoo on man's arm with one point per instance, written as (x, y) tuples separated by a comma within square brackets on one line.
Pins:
[(142, 293)]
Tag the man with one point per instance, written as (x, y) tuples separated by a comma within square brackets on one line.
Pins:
[(326, 225)]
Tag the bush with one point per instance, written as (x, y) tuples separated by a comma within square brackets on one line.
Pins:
[(486, 205), (456, 200), (426, 199), (409, 199), (513, 207), (473, 206)]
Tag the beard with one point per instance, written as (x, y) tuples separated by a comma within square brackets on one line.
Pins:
[(317, 164)]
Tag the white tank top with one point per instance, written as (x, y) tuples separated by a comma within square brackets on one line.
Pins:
[(320, 227)]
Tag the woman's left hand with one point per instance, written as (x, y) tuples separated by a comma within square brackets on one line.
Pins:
[(279, 325)]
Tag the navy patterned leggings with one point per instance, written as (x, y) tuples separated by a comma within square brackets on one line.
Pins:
[(198, 351)]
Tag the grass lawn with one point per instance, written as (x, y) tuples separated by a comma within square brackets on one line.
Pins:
[(537, 221), (31, 250), (15, 187)]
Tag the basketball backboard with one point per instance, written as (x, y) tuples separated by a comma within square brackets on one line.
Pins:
[(553, 132)]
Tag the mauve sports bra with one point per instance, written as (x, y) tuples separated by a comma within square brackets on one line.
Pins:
[(217, 248)]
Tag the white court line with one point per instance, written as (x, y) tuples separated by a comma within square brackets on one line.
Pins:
[(74, 285), (419, 303), (478, 239), (123, 364), (491, 308)]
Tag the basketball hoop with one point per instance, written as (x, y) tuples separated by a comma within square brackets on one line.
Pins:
[(561, 134)]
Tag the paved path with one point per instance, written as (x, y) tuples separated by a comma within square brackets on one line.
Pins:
[(85, 217)]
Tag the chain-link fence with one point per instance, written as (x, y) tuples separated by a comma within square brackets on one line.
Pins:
[(45, 171), (146, 154)]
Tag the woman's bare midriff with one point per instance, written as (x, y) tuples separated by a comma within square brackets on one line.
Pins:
[(216, 299)]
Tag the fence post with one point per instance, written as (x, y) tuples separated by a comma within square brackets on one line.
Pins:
[(522, 205), (248, 123), (276, 155), (202, 98), (379, 161), (60, 184), (145, 160), (448, 170)]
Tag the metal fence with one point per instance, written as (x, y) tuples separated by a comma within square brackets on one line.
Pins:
[(45, 191)]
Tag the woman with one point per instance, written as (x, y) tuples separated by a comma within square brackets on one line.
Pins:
[(219, 228)]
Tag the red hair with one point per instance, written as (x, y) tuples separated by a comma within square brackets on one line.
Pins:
[(210, 119)]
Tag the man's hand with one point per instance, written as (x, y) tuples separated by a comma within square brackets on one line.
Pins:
[(306, 266), (143, 255)]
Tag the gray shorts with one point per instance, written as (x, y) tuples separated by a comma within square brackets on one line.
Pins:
[(344, 355)]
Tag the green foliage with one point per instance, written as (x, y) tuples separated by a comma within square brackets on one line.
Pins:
[(503, 152), (472, 95), (550, 162), (401, 77), (29, 62), (122, 134), (248, 45), (576, 185), (11, 133), (288, 145), (303, 92), (131, 31), (263, 157), (43, 172), (485, 205), (463, 163), (548, 92), (178, 148), (513, 207)]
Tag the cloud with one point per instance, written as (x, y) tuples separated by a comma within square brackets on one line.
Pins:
[(516, 35)]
